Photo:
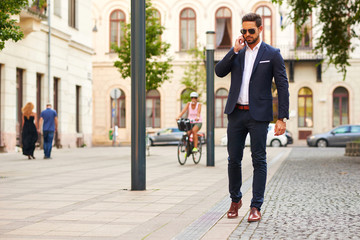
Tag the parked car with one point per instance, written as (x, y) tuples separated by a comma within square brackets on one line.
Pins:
[(290, 139), (336, 137), (272, 140), (169, 136)]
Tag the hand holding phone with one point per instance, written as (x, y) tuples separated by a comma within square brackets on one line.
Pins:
[(239, 43)]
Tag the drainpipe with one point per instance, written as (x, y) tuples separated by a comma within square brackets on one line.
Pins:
[(49, 51)]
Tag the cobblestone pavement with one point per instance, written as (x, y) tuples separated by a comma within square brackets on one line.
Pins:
[(314, 195)]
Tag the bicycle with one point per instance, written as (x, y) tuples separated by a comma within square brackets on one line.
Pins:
[(186, 144)]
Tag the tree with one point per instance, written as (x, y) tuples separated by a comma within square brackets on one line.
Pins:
[(194, 75), (158, 65), (8, 29), (337, 22)]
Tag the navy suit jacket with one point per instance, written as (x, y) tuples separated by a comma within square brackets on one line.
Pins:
[(268, 64)]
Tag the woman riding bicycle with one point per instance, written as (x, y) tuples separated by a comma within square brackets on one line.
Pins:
[(194, 114)]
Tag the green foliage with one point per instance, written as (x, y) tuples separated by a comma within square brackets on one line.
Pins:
[(40, 3), (8, 29), (336, 20), (194, 75), (158, 66)]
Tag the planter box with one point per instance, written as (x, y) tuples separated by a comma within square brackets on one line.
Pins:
[(352, 149)]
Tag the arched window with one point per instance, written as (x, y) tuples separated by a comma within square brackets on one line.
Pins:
[(155, 17), (153, 109), (220, 101), (184, 99), (340, 106), (306, 29), (305, 107), (265, 14), (187, 29), (117, 23), (118, 110), (223, 28)]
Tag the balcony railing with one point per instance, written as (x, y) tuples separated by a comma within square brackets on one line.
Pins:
[(289, 53), (38, 7), (30, 18)]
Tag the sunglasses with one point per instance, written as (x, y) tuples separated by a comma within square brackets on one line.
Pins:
[(251, 31), (194, 97)]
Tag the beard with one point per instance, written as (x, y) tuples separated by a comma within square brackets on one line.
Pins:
[(253, 41)]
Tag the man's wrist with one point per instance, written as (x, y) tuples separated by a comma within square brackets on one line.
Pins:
[(283, 119)]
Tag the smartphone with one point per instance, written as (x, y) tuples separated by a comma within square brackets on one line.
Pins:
[(244, 39)]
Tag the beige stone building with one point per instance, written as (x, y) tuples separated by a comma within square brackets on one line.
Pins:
[(64, 79), (319, 98)]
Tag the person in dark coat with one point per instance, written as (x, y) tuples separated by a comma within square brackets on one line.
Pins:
[(253, 65), (29, 130)]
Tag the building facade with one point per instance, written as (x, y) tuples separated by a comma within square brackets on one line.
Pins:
[(52, 63), (319, 98)]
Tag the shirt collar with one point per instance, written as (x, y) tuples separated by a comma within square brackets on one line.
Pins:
[(255, 48)]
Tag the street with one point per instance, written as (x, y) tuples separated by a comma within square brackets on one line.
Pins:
[(85, 194)]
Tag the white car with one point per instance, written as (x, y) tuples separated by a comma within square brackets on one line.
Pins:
[(272, 140)]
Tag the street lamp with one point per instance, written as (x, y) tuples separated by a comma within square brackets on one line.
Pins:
[(210, 116)]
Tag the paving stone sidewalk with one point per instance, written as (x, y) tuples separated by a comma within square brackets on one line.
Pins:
[(314, 195)]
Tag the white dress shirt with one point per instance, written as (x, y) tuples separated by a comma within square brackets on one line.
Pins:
[(250, 55)]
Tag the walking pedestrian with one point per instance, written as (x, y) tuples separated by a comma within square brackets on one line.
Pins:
[(49, 124), (29, 130), (253, 64)]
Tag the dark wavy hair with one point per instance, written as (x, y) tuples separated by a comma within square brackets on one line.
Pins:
[(252, 17)]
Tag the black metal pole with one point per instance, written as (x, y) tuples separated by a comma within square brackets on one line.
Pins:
[(138, 148), (210, 124)]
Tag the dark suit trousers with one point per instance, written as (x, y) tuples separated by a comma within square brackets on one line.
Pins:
[(240, 123)]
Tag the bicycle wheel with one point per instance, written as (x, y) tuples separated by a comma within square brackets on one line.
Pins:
[(197, 155), (182, 152)]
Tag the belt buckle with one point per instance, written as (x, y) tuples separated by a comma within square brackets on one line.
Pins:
[(242, 107)]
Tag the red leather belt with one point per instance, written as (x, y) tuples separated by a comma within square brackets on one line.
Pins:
[(242, 107)]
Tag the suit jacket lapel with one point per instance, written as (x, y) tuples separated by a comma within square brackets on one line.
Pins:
[(258, 57)]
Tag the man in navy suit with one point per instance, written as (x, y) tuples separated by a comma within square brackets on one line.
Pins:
[(253, 64)]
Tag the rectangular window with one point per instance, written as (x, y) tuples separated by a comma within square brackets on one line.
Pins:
[(301, 110), (39, 105), (267, 30), (19, 102), (149, 113), (157, 113), (336, 117), (153, 112), (78, 91), (187, 29), (56, 94), (184, 38), (72, 13), (120, 113), (192, 35), (344, 111), (305, 111), (57, 8), (220, 117)]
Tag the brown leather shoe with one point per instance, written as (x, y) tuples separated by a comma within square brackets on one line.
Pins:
[(234, 208), (254, 215)]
